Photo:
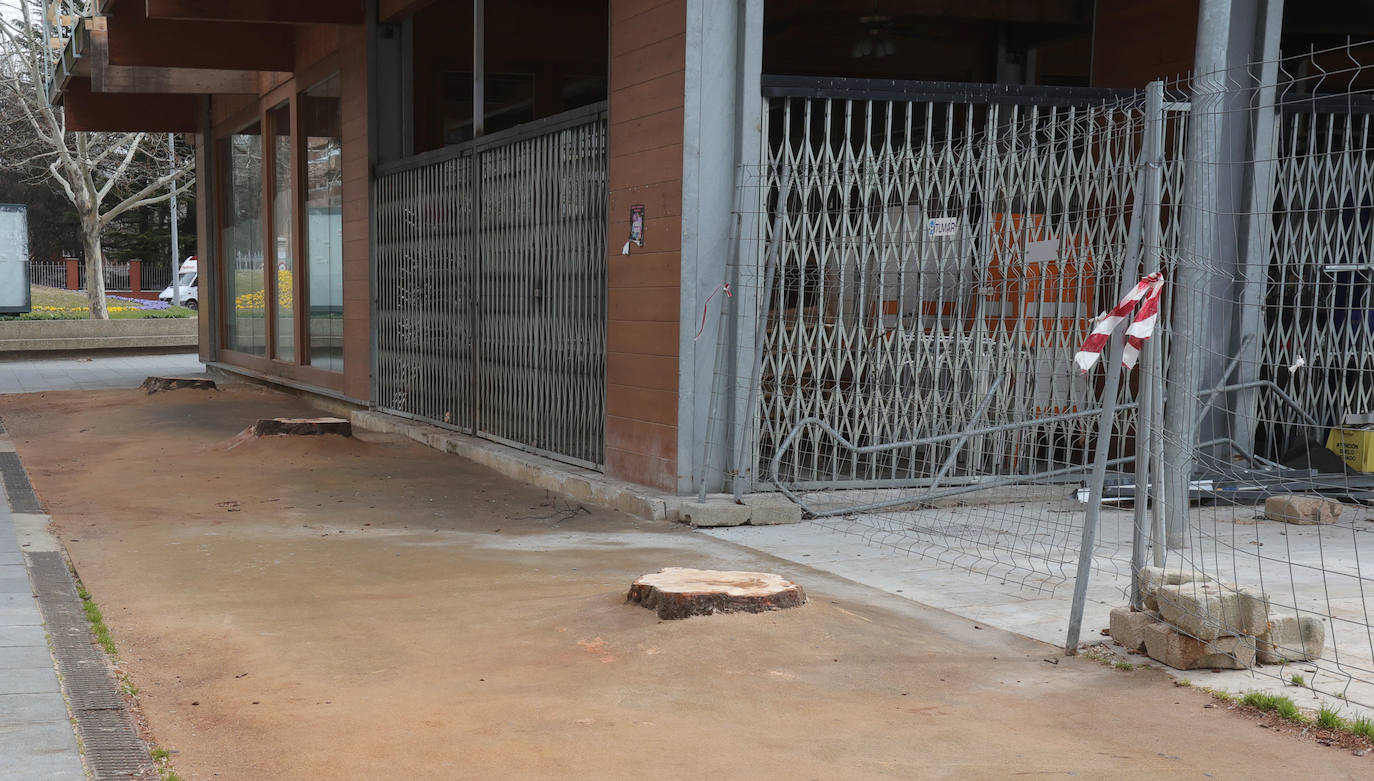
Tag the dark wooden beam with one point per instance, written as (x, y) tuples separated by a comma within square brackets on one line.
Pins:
[(392, 11), (263, 11), (103, 112), (136, 40), (182, 81)]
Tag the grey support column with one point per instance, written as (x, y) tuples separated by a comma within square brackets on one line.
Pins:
[(722, 112)]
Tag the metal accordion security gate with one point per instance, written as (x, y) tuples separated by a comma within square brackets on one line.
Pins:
[(491, 286)]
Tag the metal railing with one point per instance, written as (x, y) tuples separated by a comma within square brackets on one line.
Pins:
[(491, 280), (116, 275)]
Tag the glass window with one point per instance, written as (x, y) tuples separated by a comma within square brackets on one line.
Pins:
[(284, 251), (242, 241), (321, 124)]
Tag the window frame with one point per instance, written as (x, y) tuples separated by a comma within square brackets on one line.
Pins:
[(259, 109)]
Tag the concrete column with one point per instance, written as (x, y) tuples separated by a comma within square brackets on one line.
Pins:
[(721, 121)]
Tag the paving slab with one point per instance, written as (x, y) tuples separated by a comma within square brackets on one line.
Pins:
[(39, 750), (22, 634)]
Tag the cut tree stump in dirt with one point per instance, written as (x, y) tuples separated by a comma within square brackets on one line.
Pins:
[(159, 384), (302, 427), (680, 592)]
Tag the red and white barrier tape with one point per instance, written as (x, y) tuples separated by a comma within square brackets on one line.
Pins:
[(1140, 329)]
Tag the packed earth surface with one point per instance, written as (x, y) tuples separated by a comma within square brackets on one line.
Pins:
[(365, 608)]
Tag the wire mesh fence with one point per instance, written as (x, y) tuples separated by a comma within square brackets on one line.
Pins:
[(897, 352)]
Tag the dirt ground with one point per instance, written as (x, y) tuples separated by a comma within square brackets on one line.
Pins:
[(369, 609)]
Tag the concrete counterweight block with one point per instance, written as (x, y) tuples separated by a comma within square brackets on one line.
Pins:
[(1166, 644), (1211, 610), (1128, 627), (1292, 638)]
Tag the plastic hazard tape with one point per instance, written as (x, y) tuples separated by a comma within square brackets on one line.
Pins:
[(1146, 294)]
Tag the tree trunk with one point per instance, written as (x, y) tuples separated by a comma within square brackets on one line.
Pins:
[(95, 266)]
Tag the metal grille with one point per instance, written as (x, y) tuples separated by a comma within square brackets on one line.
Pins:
[(955, 249), (491, 318), (1319, 334)]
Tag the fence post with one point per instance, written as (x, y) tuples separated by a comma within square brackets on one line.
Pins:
[(1188, 318), (1151, 156), (135, 276), (73, 273), (1105, 426)]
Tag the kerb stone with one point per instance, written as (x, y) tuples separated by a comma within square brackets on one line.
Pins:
[(1151, 578), (1128, 627), (715, 513), (1169, 646), (1211, 610), (770, 510), (1292, 638), (1302, 510)]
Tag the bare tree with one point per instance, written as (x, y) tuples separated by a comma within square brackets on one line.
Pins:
[(91, 169)]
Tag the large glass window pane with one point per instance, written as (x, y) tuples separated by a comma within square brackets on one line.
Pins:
[(241, 240), (285, 251), (321, 123)]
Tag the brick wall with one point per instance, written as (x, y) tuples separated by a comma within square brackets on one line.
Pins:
[(646, 113)]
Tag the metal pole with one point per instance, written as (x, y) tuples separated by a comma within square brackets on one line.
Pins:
[(763, 298), (1152, 157), (1188, 320), (1259, 226), (1094, 510), (172, 202), (1105, 425)]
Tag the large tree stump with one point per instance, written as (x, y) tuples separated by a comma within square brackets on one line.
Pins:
[(159, 384), (679, 592)]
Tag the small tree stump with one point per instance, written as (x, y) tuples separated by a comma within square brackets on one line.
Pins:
[(679, 592), (302, 427), (159, 384)]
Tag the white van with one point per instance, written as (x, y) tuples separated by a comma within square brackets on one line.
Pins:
[(190, 295)]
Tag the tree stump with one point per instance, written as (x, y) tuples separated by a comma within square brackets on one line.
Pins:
[(159, 384), (302, 427), (679, 592)]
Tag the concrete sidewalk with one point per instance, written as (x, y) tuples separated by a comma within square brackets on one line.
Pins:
[(95, 373), (36, 736)]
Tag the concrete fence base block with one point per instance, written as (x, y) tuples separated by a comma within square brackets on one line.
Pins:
[(1302, 510), (1167, 645), (1128, 627), (1292, 639), (1211, 610)]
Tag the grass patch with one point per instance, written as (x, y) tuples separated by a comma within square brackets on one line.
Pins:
[(1124, 666), (1362, 726), (160, 754), (1102, 657), (50, 303), (1273, 703), (1329, 719), (98, 628), (1297, 680)]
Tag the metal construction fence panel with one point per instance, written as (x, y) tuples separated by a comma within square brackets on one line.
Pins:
[(919, 274), (491, 287)]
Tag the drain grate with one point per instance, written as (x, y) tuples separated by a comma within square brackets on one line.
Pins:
[(112, 748), (3, 432), (17, 485)]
